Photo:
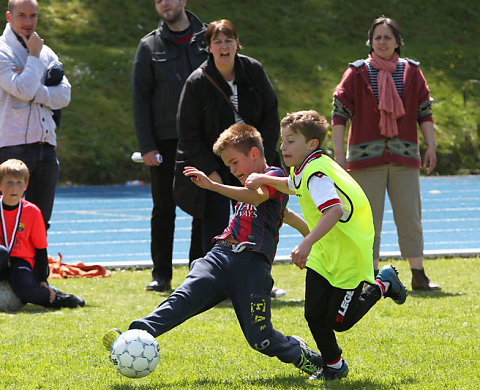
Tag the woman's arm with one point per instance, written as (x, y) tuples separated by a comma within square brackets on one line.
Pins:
[(191, 125), (430, 157), (338, 136)]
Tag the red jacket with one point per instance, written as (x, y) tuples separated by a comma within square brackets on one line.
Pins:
[(366, 146)]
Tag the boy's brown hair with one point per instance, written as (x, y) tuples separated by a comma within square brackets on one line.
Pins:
[(241, 137), (309, 123), (15, 168)]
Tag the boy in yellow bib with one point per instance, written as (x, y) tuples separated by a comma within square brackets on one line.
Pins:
[(339, 245)]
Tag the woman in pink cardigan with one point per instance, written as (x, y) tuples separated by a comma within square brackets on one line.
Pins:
[(384, 97)]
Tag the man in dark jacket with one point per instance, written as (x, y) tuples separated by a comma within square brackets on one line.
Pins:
[(164, 60)]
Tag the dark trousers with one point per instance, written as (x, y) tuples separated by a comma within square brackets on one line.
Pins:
[(24, 285), (42, 163), (215, 220), (329, 309), (245, 279), (162, 222)]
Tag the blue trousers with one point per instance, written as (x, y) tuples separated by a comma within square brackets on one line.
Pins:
[(245, 278), (42, 163)]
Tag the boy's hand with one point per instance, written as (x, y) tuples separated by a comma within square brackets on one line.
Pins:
[(197, 177), (51, 290), (254, 181), (300, 254)]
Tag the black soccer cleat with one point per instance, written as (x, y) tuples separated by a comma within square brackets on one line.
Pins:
[(310, 361), (63, 299)]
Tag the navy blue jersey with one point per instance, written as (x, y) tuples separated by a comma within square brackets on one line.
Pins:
[(259, 225)]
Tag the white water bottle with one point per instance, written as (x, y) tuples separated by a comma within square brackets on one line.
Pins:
[(137, 157)]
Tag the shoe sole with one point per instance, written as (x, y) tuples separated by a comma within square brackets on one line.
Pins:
[(278, 293), (109, 337)]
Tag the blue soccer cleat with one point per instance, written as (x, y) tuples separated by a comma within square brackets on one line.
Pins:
[(329, 373), (396, 290)]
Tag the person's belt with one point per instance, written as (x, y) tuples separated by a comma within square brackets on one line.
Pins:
[(237, 247)]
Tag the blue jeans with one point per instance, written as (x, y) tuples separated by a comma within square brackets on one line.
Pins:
[(42, 163)]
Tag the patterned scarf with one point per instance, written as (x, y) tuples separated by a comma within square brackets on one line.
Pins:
[(389, 103)]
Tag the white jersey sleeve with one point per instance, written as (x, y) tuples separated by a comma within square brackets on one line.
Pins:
[(323, 192)]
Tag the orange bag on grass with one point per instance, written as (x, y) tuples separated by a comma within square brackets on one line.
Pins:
[(59, 270)]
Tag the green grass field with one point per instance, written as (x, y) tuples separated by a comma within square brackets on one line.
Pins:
[(430, 342)]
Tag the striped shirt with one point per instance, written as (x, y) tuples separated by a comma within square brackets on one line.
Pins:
[(259, 225), (397, 76), (234, 100)]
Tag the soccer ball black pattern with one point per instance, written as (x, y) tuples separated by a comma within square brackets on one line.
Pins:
[(135, 353)]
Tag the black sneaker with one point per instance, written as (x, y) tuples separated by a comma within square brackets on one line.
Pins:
[(63, 299), (329, 373), (310, 361), (159, 284)]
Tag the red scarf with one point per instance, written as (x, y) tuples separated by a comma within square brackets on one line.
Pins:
[(389, 103)]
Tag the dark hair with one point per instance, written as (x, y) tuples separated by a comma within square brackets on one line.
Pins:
[(393, 26), (309, 123), (222, 26), (241, 137)]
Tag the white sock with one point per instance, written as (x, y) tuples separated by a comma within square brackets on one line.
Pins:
[(383, 286), (337, 365)]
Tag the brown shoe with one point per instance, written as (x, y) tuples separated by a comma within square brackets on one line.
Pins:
[(420, 281)]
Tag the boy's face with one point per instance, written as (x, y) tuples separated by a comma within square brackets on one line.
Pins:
[(295, 148), (241, 165), (13, 188)]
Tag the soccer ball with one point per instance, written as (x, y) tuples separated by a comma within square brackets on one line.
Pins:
[(135, 353), (8, 300)]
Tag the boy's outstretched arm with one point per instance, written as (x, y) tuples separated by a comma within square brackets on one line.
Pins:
[(255, 180), (240, 194), (296, 221), (328, 220)]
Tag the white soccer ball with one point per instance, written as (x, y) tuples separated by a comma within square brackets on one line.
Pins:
[(135, 353), (8, 300)]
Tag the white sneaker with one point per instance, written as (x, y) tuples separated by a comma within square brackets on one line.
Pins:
[(277, 292)]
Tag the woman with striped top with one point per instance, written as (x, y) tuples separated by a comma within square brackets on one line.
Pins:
[(384, 97)]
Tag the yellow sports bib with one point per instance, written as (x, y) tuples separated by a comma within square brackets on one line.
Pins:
[(344, 255)]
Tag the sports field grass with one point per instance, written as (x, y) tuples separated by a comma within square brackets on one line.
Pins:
[(430, 342)]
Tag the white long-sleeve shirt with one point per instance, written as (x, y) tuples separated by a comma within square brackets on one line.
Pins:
[(25, 102)]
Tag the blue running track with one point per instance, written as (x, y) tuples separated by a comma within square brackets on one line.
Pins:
[(110, 225)]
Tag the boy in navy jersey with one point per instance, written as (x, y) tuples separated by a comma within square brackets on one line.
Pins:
[(23, 243), (239, 265)]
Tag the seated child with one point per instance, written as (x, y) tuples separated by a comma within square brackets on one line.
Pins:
[(239, 265), (23, 247), (339, 245)]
